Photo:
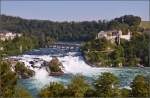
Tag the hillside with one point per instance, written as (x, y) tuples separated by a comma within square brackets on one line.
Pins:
[(66, 31), (61, 31), (145, 24)]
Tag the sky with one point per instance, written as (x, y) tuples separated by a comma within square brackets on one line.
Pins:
[(75, 10)]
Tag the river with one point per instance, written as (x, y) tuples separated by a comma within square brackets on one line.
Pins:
[(73, 63)]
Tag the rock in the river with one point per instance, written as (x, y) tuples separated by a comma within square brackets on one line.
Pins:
[(32, 66), (44, 64), (56, 73), (55, 67), (31, 62)]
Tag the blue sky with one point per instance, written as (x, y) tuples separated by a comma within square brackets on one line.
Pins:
[(75, 10)]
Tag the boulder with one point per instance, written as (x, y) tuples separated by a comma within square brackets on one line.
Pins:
[(55, 67), (56, 73), (31, 62)]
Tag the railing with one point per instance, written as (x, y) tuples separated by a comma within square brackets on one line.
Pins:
[(69, 46)]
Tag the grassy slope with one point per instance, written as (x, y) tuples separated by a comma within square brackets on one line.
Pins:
[(145, 24)]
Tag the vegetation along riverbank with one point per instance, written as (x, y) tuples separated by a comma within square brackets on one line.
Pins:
[(121, 42)]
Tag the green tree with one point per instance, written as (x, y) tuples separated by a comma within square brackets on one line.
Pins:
[(131, 20), (136, 50), (8, 83), (23, 71), (19, 45), (90, 92), (8, 80), (53, 90), (117, 56), (107, 85), (125, 92), (97, 51), (140, 87), (21, 92), (77, 87)]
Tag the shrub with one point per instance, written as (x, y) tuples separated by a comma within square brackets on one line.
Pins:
[(140, 87)]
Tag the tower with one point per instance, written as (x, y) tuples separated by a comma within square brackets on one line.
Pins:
[(119, 34)]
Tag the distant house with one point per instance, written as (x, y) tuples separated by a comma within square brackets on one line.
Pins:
[(7, 35), (114, 35)]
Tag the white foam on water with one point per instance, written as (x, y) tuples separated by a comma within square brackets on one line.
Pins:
[(76, 65), (41, 77), (72, 65)]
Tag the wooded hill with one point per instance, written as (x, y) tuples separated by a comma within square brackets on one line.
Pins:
[(65, 31)]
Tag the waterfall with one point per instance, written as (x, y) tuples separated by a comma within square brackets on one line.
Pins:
[(72, 64)]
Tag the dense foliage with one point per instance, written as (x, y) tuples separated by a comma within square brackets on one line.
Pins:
[(102, 52), (78, 86), (106, 85), (66, 31), (137, 50), (128, 53), (53, 90), (18, 45), (129, 19), (97, 52), (8, 83), (140, 87), (23, 71), (8, 80)]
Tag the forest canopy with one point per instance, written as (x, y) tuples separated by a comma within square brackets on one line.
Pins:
[(67, 31)]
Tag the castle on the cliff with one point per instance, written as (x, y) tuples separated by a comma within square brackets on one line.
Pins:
[(114, 35)]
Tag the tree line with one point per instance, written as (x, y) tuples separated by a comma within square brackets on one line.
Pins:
[(22, 44), (106, 85), (67, 31)]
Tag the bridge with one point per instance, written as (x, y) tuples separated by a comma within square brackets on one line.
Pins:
[(63, 45)]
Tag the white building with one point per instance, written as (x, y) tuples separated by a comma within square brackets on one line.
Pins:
[(6, 35), (112, 35)]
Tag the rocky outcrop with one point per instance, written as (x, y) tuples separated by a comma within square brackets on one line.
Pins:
[(55, 67), (56, 73)]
